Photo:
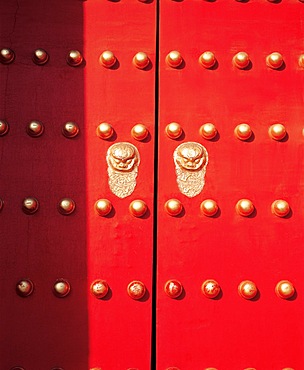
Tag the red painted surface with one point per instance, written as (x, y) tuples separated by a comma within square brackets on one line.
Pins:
[(192, 331), (119, 246), (79, 331), (230, 332)]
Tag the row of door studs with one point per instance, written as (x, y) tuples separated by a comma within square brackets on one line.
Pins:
[(141, 60), (140, 132), (174, 207), (136, 289)]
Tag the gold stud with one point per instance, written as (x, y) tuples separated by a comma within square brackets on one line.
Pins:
[(136, 289), (209, 207), (70, 130), (141, 60), (24, 287), (66, 206), (173, 288), (211, 288), (241, 60), (207, 59), (7, 56), (74, 58), (174, 59), (243, 131), (244, 207), (285, 289), (104, 131), (174, 130), (280, 208), (138, 208), (61, 288), (4, 127), (30, 205), (173, 207), (277, 131), (247, 289), (139, 132), (274, 60), (35, 129), (40, 56), (208, 131), (99, 288), (107, 59), (103, 207), (301, 61)]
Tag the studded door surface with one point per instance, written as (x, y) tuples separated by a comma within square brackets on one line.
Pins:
[(77, 149), (80, 85), (232, 231)]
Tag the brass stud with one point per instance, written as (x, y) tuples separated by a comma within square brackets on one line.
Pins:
[(173, 207), (66, 206), (139, 132), (207, 59), (7, 56), (104, 131), (30, 205), (243, 131), (241, 60), (173, 288), (280, 208), (4, 127), (277, 131), (74, 58), (301, 61), (35, 129), (174, 59), (274, 60), (70, 130), (141, 60), (285, 289), (136, 289), (244, 207), (99, 288), (208, 131), (174, 130), (247, 289), (61, 288), (107, 59), (40, 56), (211, 288), (103, 207), (209, 207), (24, 287), (138, 208)]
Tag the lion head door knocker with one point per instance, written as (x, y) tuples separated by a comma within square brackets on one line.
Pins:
[(190, 160), (123, 161)]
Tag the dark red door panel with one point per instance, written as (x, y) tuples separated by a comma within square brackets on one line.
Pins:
[(57, 156)]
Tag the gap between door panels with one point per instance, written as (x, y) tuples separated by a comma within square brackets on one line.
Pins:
[(155, 198)]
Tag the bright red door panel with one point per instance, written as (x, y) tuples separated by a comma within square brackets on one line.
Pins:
[(230, 332)]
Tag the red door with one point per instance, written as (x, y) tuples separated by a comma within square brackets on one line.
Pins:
[(114, 257)]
